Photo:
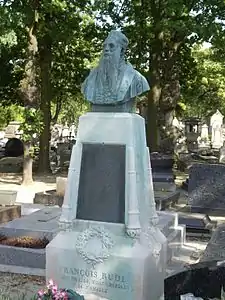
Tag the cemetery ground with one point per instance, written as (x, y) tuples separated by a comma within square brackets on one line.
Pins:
[(19, 286)]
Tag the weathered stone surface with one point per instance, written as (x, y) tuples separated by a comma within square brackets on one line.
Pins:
[(206, 189), (166, 199), (9, 213), (11, 164), (7, 197), (215, 249), (42, 223), (49, 197)]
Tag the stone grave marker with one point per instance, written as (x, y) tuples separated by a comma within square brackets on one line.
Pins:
[(11, 130), (216, 123), (215, 249), (222, 154), (206, 189), (109, 244), (61, 186), (7, 197)]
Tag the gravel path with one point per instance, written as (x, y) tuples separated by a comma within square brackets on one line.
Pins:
[(18, 286)]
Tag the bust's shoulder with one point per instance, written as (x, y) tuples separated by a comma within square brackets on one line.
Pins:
[(140, 82)]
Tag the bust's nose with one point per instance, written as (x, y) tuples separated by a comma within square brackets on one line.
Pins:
[(106, 48)]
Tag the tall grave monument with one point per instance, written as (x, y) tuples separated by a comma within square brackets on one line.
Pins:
[(109, 244)]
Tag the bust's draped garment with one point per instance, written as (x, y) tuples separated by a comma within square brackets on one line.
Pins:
[(131, 84)]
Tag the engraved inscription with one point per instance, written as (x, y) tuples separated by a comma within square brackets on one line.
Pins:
[(94, 281)]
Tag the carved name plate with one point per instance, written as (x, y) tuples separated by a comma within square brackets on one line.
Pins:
[(101, 195), (96, 282)]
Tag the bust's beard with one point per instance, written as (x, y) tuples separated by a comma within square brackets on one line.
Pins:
[(109, 71)]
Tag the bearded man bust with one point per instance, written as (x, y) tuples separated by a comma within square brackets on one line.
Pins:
[(114, 84)]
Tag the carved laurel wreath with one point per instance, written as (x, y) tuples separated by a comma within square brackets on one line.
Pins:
[(97, 233)]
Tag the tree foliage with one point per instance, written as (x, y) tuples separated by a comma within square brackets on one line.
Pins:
[(159, 32), (62, 33), (205, 91)]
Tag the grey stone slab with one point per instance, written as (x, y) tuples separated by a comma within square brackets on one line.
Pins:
[(166, 199), (167, 222), (163, 177), (206, 188), (215, 249), (24, 257), (49, 197), (29, 208), (101, 195), (42, 223), (192, 222)]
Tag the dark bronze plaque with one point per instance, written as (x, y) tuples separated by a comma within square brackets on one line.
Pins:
[(101, 195)]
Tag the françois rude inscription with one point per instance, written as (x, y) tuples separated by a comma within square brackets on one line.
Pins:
[(94, 281)]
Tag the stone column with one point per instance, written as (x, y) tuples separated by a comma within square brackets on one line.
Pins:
[(69, 207), (133, 214)]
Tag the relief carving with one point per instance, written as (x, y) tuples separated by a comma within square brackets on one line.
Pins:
[(99, 254)]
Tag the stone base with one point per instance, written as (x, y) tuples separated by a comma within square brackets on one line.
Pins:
[(211, 211), (164, 186), (174, 233), (49, 197), (215, 248), (9, 213), (7, 197), (165, 200), (108, 263), (42, 223)]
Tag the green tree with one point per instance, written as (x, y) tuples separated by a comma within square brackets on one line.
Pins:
[(159, 30), (53, 43), (64, 37), (205, 91)]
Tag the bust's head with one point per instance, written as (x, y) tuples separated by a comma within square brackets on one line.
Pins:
[(115, 44)]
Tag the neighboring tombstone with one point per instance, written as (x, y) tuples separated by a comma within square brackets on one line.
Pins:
[(12, 130), (216, 123), (11, 164), (162, 172), (205, 132), (63, 153), (65, 133), (55, 135), (192, 133), (14, 148), (222, 154), (215, 248), (181, 141), (110, 244), (72, 131), (204, 139), (61, 186), (2, 135), (206, 188)]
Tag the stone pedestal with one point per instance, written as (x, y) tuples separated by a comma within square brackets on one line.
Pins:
[(110, 244), (102, 260)]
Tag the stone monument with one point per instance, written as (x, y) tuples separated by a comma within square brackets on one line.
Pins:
[(109, 244), (216, 122)]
